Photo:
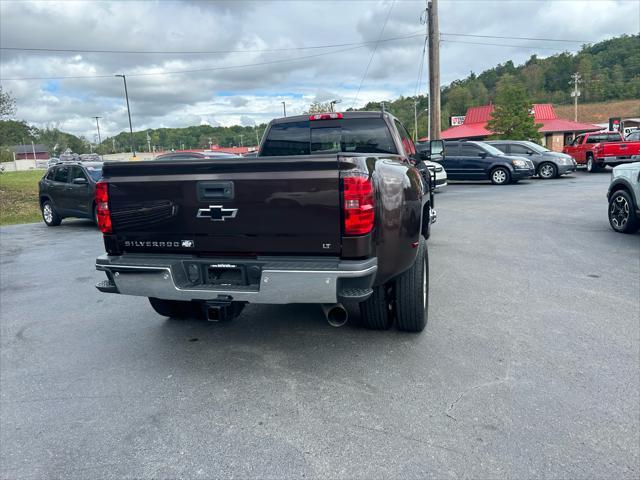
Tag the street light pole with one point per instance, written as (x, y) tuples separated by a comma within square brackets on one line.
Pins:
[(126, 94), (284, 108), (98, 128)]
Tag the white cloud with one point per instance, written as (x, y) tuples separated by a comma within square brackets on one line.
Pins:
[(253, 94)]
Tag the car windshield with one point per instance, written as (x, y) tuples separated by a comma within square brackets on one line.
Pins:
[(95, 172), (489, 148), (535, 147)]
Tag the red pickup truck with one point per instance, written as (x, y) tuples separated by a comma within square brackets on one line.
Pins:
[(599, 149)]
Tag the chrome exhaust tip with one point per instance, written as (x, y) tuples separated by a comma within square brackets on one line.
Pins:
[(335, 314)]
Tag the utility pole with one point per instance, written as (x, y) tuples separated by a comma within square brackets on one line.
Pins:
[(241, 140), (98, 128), (284, 108), (148, 142), (575, 94), (113, 143), (255, 129), (126, 94), (434, 69), (34, 150), (415, 119)]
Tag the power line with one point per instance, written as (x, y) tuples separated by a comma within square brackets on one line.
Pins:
[(210, 52), (375, 48), (420, 70), (536, 47), (197, 70), (517, 38), (266, 50)]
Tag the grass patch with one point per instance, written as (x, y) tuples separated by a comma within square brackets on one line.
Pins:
[(19, 197)]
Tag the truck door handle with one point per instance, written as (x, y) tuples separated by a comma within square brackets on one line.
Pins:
[(215, 191)]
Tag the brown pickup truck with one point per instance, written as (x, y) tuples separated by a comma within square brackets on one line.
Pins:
[(336, 208)]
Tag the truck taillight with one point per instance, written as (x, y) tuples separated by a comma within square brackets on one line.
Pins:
[(358, 207), (325, 116), (102, 207)]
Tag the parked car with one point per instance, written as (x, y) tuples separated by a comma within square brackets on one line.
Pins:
[(351, 225), (624, 198), (440, 174), (68, 190), (596, 150), (633, 136), (471, 160), (548, 164), (193, 155)]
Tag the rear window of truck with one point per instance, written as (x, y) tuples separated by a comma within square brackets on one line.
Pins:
[(353, 135), (604, 138)]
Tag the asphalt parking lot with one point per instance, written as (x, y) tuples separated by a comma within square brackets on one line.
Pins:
[(529, 366)]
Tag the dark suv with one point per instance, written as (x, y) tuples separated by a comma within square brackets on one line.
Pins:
[(548, 164), (67, 190), (469, 160)]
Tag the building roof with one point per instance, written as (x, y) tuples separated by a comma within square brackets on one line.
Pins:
[(475, 122), (466, 131), (562, 125), (29, 149)]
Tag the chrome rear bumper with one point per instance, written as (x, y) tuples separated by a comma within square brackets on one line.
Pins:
[(279, 282)]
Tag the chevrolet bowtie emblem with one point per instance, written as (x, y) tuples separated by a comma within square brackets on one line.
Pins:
[(217, 213)]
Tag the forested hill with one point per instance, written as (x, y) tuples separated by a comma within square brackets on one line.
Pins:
[(610, 70)]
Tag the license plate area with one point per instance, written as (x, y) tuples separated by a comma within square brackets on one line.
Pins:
[(223, 275)]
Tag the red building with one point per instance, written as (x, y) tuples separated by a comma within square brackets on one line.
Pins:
[(26, 152), (555, 132)]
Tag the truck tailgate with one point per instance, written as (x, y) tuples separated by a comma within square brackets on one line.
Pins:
[(250, 206)]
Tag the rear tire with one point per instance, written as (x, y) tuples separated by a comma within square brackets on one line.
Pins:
[(592, 166), (174, 308), (49, 214), (412, 293), (622, 213), (547, 171), (500, 176), (375, 312)]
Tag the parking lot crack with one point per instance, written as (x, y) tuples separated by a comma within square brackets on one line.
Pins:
[(506, 378)]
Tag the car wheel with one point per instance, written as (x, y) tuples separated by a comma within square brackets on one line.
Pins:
[(547, 171), (622, 214), (174, 308), (500, 176), (49, 215), (95, 214), (412, 293), (376, 311), (592, 166)]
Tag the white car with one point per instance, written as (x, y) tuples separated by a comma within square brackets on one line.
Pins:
[(441, 173)]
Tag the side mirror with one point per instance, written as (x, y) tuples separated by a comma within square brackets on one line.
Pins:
[(483, 155), (79, 181), (436, 150), (529, 152), (424, 155)]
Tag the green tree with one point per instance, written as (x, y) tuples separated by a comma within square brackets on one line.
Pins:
[(14, 132), (319, 107), (7, 105), (511, 116)]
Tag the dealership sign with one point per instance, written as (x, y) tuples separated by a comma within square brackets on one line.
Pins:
[(455, 121)]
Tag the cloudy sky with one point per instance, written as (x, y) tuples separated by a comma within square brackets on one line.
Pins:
[(243, 58)]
